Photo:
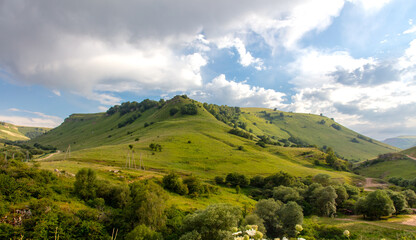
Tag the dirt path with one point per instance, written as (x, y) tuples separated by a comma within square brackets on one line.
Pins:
[(411, 221), (411, 157), (49, 156), (370, 185)]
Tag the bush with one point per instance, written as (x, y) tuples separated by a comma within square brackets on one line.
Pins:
[(173, 111), (219, 180), (235, 179), (174, 183), (189, 109)]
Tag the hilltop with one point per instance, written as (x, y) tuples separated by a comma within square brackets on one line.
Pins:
[(403, 142), (15, 133)]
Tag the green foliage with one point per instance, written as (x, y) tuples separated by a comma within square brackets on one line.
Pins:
[(286, 194), (223, 113), (174, 183), (399, 201), (342, 195), (325, 201), (85, 184), (375, 205), (219, 180), (323, 179), (214, 222), (280, 178), (267, 209), (195, 186), (410, 197), (155, 147), (189, 109), (235, 179), (142, 232), (173, 111), (127, 107), (147, 205), (254, 219), (241, 133), (290, 215)]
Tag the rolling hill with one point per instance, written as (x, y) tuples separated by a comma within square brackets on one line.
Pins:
[(403, 142), (402, 164), (14, 133), (200, 142)]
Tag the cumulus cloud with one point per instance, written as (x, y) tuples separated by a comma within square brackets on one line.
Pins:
[(32, 119), (246, 59), (370, 96), (223, 91)]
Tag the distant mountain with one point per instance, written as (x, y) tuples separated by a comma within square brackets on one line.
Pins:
[(403, 142), (12, 132)]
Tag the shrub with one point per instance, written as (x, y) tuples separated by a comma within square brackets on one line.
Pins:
[(174, 183), (189, 109), (173, 111)]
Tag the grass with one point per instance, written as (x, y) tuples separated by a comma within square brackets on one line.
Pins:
[(405, 168), (308, 128), (362, 229)]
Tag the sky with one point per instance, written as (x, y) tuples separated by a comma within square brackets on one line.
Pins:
[(351, 60)]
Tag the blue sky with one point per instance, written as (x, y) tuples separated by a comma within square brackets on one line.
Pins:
[(353, 60)]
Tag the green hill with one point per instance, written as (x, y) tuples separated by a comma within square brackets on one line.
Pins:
[(403, 142), (402, 164), (200, 143), (314, 130), (13, 133)]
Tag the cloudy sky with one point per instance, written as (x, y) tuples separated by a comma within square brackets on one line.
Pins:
[(353, 60)]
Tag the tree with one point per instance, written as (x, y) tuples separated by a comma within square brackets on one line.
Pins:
[(142, 232), (291, 215), (253, 219), (286, 194), (235, 179), (410, 197), (194, 185), (342, 195), (189, 109), (267, 209), (85, 184), (375, 205), (147, 205), (325, 201), (399, 201), (331, 158), (214, 223), (323, 179), (174, 183)]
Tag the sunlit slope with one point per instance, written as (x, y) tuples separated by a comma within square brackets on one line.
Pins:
[(315, 130), (402, 164), (198, 144), (14, 133)]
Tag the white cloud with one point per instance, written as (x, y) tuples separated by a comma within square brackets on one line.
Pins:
[(56, 92), (246, 59), (410, 30), (371, 5), (102, 108), (31, 119), (312, 68), (223, 91)]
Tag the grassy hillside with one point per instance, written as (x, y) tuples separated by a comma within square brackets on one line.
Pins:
[(314, 130), (392, 165), (197, 144), (411, 152), (403, 142), (13, 133)]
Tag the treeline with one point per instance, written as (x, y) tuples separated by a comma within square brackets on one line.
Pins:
[(191, 185), (223, 113), (134, 106)]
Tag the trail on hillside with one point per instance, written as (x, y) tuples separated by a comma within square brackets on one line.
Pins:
[(413, 158), (49, 156), (369, 185), (355, 219)]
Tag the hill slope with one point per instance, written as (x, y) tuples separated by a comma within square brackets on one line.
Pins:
[(402, 164), (314, 130), (192, 144), (13, 133), (403, 142)]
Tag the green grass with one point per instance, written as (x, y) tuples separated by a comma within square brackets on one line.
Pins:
[(362, 229), (405, 168), (410, 152), (308, 128), (19, 133)]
